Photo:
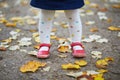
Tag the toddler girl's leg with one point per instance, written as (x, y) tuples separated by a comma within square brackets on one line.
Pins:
[(45, 25), (75, 32), (75, 24)]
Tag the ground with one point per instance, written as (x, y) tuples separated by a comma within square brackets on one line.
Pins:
[(11, 61)]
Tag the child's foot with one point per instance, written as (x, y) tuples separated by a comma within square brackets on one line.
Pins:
[(78, 50), (43, 51)]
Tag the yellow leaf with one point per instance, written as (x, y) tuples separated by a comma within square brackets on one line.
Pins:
[(98, 77), (70, 66), (9, 40), (102, 71), (31, 22), (101, 63), (63, 49), (16, 19), (87, 2), (81, 63), (31, 66), (109, 59), (113, 28), (3, 20), (53, 37), (10, 24)]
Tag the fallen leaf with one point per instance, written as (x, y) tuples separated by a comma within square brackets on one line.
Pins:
[(94, 29), (3, 20), (118, 34), (101, 63), (109, 59), (117, 6), (37, 39), (103, 9), (31, 66), (96, 54), (54, 30), (85, 77), (36, 46), (16, 19), (25, 41), (98, 77), (81, 63), (94, 37), (70, 66), (62, 55), (102, 71), (15, 47), (104, 40), (2, 48), (31, 22), (113, 28), (94, 5), (63, 49), (10, 24), (87, 40), (47, 68), (33, 53), (9, 40), (90, 23)]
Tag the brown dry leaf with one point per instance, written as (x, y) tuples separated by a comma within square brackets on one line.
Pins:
[(103, 9), (81, 63), (64, 25), (109, 20), (109, 59), (33, 30), (36, 46), (101, 63), (63, 49), (94, 29), (10, 24), (116, 6), (85, 77), (70, 66), (113, 28), (2, 48), (31, 66)]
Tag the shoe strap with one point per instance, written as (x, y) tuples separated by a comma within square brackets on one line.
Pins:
[(76, 44), (44, 44)]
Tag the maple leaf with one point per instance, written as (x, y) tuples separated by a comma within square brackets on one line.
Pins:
[(81, 63), (32, 66)]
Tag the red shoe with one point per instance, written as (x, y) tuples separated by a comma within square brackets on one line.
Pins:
[(78, 53), (43, 53)]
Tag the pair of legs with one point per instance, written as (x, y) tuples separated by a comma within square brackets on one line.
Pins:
[(45, 26)]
